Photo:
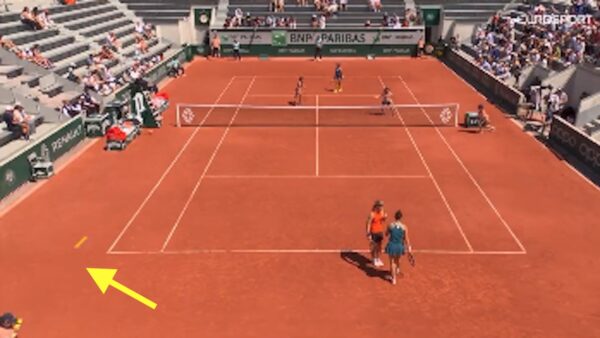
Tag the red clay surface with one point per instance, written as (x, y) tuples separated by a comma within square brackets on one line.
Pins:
[(235, 236)]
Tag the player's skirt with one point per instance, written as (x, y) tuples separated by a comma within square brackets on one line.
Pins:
[(394, 249)]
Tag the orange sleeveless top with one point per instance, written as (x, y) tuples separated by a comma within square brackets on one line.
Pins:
[(377, 219)]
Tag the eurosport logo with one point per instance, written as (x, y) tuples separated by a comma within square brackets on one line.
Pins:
[(556, 19), (586, 150)]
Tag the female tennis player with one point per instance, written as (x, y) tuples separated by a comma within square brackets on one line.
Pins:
[(338, 76), (484, 119), (398, 243), (375, 231), (298, 92), (386, 100)]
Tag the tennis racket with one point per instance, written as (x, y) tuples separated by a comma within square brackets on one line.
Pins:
[(411, 258)]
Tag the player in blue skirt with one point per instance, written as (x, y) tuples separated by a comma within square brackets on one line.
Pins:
[(338, 76), (397, 245)]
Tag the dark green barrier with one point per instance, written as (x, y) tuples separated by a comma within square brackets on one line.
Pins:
[(303, 50), (15, 170), (336, 42), (576, 143)]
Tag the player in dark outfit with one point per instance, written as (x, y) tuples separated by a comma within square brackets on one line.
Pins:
[(338, 76), (397, 245)]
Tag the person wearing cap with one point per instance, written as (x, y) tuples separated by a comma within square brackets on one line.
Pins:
[(375, 231)]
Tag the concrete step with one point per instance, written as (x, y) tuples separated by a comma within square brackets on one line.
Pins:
[(22, 38), (68, 51), (105, 27), (84, 13), (52, 42), (100, 19)]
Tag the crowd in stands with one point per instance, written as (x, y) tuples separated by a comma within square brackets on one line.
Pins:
[(504, 51), (84, 104), (36, 19), (18, 121), (32, 54), (325, 9)]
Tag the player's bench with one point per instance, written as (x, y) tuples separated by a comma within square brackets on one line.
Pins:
[(119, 136)]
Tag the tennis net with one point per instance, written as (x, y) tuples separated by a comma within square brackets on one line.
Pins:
[(246, 115)]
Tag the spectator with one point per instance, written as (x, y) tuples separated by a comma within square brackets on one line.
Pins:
[(9, 325), (106, 54), (71, 76), (39, 59), (43, 18), (314, 22), (28, 19), (375, 5), (24, 120), (8, 118), (149, 31), (292, 23), (11, 47), (88, 103), (343, 5), (113, 42), (141, 45), (301, 3), (69, 109), (322, 22), (174, 67), (368, 23), (139, 28)]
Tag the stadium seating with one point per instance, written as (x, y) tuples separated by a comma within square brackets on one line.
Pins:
[(79, 31), (356, 15)]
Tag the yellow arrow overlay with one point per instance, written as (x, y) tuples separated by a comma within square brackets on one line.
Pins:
[(106, 277)]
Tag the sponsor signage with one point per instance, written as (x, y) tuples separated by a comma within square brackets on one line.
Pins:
[(280, 38), (576, 143)]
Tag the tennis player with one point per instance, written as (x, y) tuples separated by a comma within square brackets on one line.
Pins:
[(484, 119), (298, 91), (398, 243), (375, 230), (386, 100), (338, 76)]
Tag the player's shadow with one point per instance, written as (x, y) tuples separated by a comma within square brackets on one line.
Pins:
[(363, 263)]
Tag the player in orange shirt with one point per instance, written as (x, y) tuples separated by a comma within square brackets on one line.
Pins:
[(375, 231)]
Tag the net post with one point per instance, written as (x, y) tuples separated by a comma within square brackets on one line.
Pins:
[(178, 122), (456, 115)]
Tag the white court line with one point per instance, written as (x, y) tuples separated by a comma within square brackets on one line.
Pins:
[(317, 135), (167, 171), (206, 168), (316, 177), (435, 182), (460, 162), (309, 251)]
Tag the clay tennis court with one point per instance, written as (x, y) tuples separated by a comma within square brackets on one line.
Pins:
[(250, 222)]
